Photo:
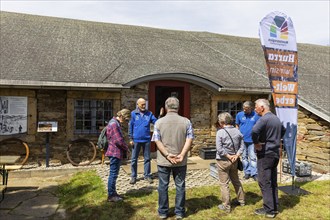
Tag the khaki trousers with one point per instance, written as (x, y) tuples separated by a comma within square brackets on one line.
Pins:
[(228, 172)]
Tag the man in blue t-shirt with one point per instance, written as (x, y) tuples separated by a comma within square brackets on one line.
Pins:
[(245, 120)]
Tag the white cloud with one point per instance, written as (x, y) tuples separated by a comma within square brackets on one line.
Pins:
[(239, 18)]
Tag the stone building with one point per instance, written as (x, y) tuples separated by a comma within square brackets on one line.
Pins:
[(80, 73)]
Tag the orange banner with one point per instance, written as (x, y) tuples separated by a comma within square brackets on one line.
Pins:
[(285, 87), (280, 71), (284, 100)]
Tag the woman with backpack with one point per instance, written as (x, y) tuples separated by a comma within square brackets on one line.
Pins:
[(117, 147)]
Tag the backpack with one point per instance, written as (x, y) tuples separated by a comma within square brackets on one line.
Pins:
[(102, 141)]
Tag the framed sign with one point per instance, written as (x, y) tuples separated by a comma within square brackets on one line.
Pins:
[(47, 126), (13, 115)]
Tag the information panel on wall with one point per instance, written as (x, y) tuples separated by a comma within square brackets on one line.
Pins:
[(13, 115)]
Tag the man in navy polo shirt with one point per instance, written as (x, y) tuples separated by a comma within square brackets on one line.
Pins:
[(245, 120)]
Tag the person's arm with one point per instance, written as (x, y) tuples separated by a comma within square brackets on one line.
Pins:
[(130, 129), (187, 144), (153, 119), (117, 137), (241, 147), (256, 130), (237, 122)]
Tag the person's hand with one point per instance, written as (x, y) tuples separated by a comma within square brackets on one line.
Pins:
[(132, 144), (179, 158), (234, 158), (172, 158), (258, 146), (161, 112)]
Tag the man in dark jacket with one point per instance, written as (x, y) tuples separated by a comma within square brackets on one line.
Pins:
[(266, 136)]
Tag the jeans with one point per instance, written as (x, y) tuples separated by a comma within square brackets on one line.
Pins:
[(249, 160), (179, 176), (114, 170), (146, 154), (267, 180), (228, 173)]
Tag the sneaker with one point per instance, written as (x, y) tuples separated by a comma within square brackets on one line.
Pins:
[(163, 217), (246, 176), (222, 207), (114, 199), (237, 203), (149, 180), (255, 177), (132, 181), (264, 213), (178, 217)]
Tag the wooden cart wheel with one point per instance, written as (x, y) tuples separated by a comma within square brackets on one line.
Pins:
[(81, 152), (25, 145)]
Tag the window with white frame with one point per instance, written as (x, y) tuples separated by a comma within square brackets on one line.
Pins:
[(91, 115), (232, 107)]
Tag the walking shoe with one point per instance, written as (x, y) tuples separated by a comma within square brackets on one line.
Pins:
[(149, 180), (222, 207), (246, 176), (237, 203), (162, 216), (114, 199), (264, 213), (255, 177), (178, 217), (132, 181)]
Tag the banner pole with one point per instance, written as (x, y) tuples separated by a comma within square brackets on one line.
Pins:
[(281, 162)]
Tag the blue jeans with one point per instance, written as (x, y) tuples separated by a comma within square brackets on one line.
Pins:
[(179, 176), (249, 160), (114, 170), (146, 154)]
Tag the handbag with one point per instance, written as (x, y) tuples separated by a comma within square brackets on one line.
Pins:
[(239, 162)]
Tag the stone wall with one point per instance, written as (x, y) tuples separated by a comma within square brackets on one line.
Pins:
[(56, 105), (313, 141), (200, 113)]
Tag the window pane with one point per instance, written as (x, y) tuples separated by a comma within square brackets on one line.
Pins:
[(232, 107), (91, 115)]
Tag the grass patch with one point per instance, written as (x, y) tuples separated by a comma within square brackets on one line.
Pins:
[(84, 197)]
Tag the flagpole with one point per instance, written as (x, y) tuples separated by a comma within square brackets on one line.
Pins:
[(281, 162)]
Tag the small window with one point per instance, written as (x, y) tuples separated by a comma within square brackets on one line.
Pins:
[(232, 107), (91, 115)]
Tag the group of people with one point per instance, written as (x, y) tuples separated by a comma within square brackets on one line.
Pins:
[(257, 131)]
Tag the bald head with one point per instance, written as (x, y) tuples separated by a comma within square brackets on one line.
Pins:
[(141, 104)]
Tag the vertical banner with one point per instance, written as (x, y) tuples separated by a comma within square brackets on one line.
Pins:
[(278, 40)]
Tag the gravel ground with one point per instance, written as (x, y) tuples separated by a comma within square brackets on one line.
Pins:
[(194, 178)]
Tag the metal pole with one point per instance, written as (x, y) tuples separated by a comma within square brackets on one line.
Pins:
[(47, 149)]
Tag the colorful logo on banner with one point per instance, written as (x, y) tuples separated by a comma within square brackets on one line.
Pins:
[(278, 40), (281, 24)]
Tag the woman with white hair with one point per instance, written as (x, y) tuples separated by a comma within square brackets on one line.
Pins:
[(229, 144)]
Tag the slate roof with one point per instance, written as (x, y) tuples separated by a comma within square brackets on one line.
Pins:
[(39, 51)]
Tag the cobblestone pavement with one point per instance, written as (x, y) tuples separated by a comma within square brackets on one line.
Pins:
[(194, 178)]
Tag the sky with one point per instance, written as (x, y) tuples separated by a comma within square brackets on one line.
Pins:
[(237, 18)]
